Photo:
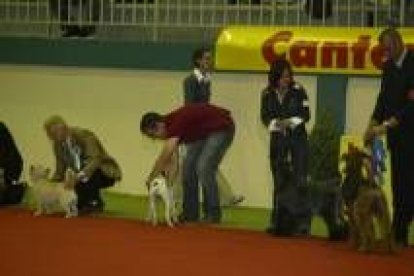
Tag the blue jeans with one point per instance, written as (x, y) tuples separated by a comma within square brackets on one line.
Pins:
[(200, 166)]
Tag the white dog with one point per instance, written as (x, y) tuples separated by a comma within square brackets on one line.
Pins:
[(159, 188), (51, 197)]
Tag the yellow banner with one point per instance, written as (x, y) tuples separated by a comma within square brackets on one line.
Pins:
[(333, 50)]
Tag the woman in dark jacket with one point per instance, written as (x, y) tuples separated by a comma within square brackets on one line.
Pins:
[(284, 111), (11, 166)]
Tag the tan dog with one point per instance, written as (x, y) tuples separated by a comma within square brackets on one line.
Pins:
[(364, 201), (51, 197)]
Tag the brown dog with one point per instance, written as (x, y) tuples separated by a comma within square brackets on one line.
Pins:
[(364, 201)]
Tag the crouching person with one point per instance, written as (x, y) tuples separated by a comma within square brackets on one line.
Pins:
[(209, 130), (80, 150)]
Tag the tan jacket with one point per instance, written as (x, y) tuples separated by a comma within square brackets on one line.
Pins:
[(93, 156)]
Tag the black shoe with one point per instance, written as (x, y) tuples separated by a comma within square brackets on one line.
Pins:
[(212, 220), (94, 207), (184, 219), (401, 244), (234, 201), (272, 231)]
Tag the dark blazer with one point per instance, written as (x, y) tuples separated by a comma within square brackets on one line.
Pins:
[(396, 98), (10, 159), (295, 104), (196, 91)]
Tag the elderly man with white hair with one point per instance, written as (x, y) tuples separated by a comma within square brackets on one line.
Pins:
[(80, 150)]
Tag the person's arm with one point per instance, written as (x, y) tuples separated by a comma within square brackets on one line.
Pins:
[(304, 111), (303, 114), (408, 109), (172, 168), (377, 118), (265, 113), (59, 165), (170, 146), (379, 124), (92, 154)]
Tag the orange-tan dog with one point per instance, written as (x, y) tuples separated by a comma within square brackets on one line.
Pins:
[(364, 201)]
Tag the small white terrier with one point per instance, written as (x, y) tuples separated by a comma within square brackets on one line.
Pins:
[(51, 197), (159, 188)]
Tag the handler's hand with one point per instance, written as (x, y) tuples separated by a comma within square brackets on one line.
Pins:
[(368, 136), (81, 177), (379, 130), (283, 124)]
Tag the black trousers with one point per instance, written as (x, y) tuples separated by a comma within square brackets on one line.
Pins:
[(291, 198), (89, 192), (402, 160), (12, 193)]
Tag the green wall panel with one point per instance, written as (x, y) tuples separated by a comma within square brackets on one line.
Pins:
[(332, 96), (92, 53)]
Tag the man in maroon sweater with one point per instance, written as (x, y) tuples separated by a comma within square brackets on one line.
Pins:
[(210, 131)]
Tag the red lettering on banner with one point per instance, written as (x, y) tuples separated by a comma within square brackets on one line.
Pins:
[(377, 56), (267, 48), (329, 49), (332, 54), (303, 54), (359, 50)]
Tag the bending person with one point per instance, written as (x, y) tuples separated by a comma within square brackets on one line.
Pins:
[(211, 130)]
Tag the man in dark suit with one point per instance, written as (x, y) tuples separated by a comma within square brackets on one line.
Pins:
[(11, 166), (394, 116)]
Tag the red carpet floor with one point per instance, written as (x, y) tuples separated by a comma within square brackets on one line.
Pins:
[(99, 246)]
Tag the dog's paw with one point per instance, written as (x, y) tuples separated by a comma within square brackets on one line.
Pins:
[(174, 219), (71, 215), (364, 249), (37, 213)]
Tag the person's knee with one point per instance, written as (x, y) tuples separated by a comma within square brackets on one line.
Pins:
[(205, 170)]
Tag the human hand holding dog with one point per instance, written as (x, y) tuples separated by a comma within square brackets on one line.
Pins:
[(380, 130), (279, 124), (284, 123), (81, 177)]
